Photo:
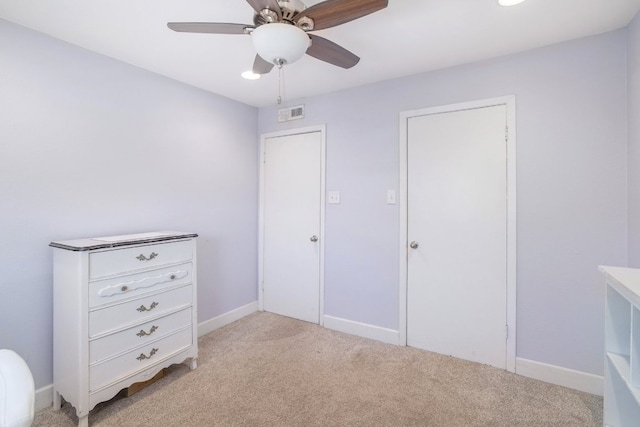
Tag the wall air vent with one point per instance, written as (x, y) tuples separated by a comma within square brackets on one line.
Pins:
[(291, 113)]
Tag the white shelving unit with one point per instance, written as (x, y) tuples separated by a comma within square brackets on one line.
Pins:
[(622, 347)]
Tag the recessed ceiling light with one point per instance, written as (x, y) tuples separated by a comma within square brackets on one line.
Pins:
[(250, 75), (509, 2)]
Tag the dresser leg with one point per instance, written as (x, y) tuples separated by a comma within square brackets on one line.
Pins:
[(193, 364), (83, 421)]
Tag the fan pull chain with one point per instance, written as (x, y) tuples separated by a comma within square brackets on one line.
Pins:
[(280, 83)]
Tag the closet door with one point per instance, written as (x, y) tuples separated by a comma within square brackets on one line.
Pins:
[(457, 233), (291, 246)]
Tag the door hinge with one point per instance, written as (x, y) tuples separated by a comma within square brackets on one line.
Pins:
[(506, 134), (506, 332)]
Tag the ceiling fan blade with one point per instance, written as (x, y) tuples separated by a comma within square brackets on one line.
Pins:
[(330, 52), (259, 5), (330, 13), (260, 66), (209, 27)]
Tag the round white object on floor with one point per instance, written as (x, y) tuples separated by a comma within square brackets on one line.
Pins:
[(17, 391)]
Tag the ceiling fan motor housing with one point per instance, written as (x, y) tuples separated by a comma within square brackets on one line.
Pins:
[(290, 8)]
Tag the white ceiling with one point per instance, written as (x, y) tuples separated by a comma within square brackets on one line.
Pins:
[(408, 37)]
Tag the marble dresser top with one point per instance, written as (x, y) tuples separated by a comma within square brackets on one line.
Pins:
[(93, 243)]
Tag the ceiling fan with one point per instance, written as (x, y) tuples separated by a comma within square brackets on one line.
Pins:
[(280, 30)]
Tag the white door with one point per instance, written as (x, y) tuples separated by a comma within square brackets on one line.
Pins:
[(457, 231), (291, 203)]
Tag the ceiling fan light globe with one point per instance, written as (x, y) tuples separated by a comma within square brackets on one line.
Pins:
[(280, 43)]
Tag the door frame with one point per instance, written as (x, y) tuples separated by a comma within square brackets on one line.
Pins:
[(263, 141), (510, 134)]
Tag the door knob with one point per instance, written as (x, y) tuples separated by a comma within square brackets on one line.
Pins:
[(314, 238), (414, 245)]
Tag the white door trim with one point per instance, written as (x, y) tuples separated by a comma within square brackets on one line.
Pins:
[(263, 138), (510, 103)]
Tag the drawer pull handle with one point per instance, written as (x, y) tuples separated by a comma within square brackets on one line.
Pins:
[(144, 356), (142, 308), (142, 333), (124, 288), (173, 277), (141, 257)]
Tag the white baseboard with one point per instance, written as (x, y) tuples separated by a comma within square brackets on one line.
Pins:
[(577, 380), (363, 330), (226, 318), (43, 397)]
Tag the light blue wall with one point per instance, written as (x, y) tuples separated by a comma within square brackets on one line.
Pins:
[(633, 103), (92, 146), (571, 188)]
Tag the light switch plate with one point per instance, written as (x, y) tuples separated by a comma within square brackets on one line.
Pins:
[(334, 197), (391, 197)]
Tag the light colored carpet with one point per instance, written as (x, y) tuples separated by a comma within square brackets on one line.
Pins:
[(269, 370)]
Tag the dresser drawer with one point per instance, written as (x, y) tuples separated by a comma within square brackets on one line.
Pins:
[(117, 261), (109, 291), (104, 347), (138, 311), (112, 370)]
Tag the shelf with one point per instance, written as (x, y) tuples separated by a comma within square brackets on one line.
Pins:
[(622, 367), (625, 281), (617, 323)]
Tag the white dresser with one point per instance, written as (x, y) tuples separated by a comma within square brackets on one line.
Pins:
[(622, 347), (124, 308)]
